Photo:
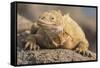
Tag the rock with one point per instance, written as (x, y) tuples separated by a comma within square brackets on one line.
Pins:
[(49, 56), (23, 23)]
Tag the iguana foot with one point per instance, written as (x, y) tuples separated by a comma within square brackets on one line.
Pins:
[(31, 43), (85, 52)]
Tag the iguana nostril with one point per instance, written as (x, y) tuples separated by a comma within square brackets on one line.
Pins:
[(43, 18)]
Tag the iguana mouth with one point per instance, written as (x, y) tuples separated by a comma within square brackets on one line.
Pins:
[(51, 26), (42, 22)]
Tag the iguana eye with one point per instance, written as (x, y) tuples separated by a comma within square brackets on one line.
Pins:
[(52, 18)]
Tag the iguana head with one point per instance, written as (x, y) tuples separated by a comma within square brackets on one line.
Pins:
[(51, 19)]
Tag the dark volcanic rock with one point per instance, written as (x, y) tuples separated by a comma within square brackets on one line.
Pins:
[(49, 56)]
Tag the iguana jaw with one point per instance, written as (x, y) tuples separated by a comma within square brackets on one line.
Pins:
[(43, 22), (48, 24)]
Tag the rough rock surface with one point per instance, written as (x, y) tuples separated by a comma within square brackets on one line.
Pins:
[(49, 56)]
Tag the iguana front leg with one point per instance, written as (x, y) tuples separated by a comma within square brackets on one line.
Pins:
[(83, 49), (31, 43)]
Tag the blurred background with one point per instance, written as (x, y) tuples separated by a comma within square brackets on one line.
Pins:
[(84, 16)]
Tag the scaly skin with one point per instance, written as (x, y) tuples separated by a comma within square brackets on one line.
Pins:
[(55, 30)]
